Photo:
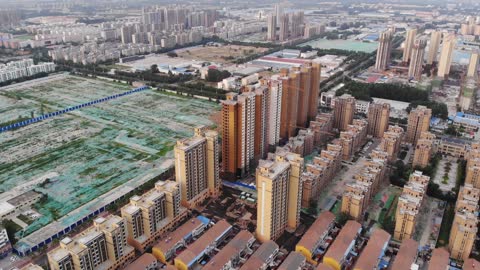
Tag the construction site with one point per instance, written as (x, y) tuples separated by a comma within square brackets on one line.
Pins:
[(77, 159)]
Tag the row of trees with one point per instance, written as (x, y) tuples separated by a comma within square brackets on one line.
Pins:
[(393, 91)]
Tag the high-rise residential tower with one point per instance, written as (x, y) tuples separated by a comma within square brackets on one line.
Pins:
[(343, 112), (378, 116), (271, 27), (472, 70), (446, 56), (416, 61), (384, 50), (418, 122), (409, 40), (435, 39), (197, 165)]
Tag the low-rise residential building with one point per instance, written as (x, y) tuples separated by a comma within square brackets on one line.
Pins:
[(406, 256), (440, 259), (262, 257), (23, 68), (294, 261), (229, 256), (374, 251), (315, 237), (338, 253), (145, 262)]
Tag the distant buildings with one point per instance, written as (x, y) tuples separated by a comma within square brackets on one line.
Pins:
[(23, 68), (472, 71), (343, 112), (384, 50), (279, 195), (378, 116), (418, 122), (416, 60), (290, 25), (409, 204), (465, 223), (446, 55)]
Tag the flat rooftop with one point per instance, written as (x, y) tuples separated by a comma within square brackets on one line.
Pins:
[(374, 250), (170, 239)]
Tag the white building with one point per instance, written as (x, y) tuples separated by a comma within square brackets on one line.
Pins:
[(23, 68)]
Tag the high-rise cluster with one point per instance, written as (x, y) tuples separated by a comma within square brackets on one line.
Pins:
[(470, 27), (465, 223), (279, 190), (366, 182), (255, 120), (290, 25), (418, 122), (409, 204), (423, 150)]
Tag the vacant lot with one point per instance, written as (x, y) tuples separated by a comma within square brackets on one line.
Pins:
[(221, 54), (89, 152)]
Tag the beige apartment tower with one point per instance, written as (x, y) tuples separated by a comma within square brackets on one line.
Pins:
[(343, 112), (416, 61), (423, 150), (279, 195), (197, 166), (435, 39), (384, 50), (465, 223), (446, 56), (409, 41), (418, 122), (409, 204), (272, 27), (378, 116), (472, 71)]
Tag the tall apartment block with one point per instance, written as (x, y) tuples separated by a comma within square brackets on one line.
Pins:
[(197, 166), (322, 127), (238, 124), (409, 204), (384, 50), (358, 193), (472, 70), (410, 36), (343, 111), (391, 142), (418, 122), (274, 107), (353, 138), (153, 213), (423, 150), (416, 60), (435, 38), (378, 116), (103, 246), (272, 27), (473, 166), (465, 223), (279, 195), (320, 172), (261, 145), (446, 56)]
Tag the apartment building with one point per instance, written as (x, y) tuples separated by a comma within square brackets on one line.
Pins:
[(343, 111), (378, 116), (391, 142), (418, 122), (339, 251), (409, 204), (315, 236), (423, 150)]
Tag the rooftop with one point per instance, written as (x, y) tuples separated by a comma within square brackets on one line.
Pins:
[(293, 261), (142, 262), (172, 238), (344, 240), (440, 259), (374, 250), (406, 255), (471, 264), (208, 238), (319, 229), (239, 243), (261, 256)]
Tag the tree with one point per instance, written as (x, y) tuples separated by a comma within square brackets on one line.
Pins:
[(342, 218), (215, 75), (154, 68), (172, 54)]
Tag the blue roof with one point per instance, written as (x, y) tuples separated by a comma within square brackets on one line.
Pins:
[(204, 220)]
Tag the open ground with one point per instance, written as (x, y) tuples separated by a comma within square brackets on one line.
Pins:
[(76, 157), (220, 54)]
